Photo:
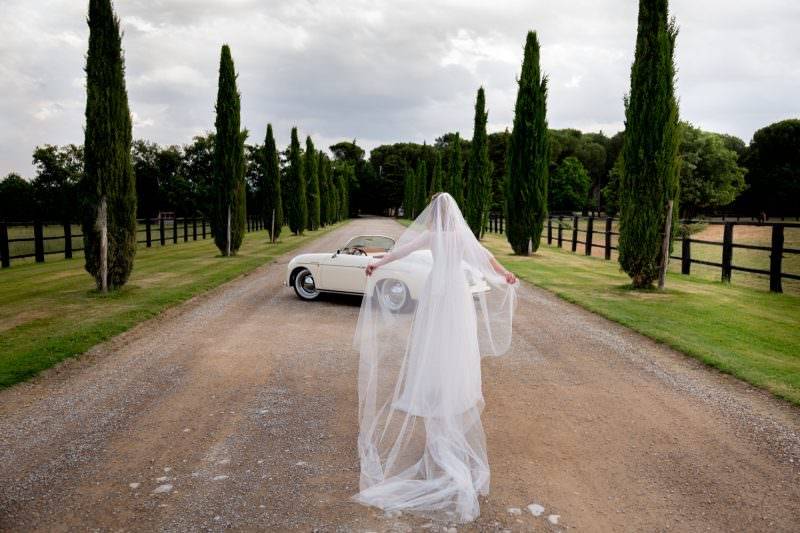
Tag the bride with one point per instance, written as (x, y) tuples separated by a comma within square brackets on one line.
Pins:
[(421, 442)]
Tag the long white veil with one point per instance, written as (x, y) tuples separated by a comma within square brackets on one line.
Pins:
[(421, 442)]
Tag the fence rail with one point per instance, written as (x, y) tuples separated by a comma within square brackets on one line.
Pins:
[(556, 226), (149, 232)]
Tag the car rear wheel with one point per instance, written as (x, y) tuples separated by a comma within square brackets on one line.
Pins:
[(393, 295), (304, 285)]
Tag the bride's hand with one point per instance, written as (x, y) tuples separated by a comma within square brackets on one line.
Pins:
[(510, 277), (370, 269)]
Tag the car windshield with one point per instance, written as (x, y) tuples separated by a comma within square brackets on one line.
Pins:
[(371, 243)]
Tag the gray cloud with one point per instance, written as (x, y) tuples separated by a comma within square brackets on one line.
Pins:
[(383, 71)]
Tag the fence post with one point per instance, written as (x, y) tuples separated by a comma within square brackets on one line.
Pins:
[(560, 231), (549, 230), (174, 230), (686, 255), (776, 258), (727, 251), (502, 221), (609, 222), (185, 229), (38, 241), (161, 230), (147, 233), (67, 240), (575, 233), (204, 229), (194, 228), (4, 254), (589, 230)]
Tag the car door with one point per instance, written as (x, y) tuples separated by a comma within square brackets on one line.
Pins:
[(344, 273)]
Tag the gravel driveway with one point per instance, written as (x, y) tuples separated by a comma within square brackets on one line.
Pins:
[(238, 410)]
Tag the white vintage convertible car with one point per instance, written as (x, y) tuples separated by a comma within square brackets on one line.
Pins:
[(343, 272)]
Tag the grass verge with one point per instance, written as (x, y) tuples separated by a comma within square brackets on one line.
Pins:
[(749, 333), (51, 311)]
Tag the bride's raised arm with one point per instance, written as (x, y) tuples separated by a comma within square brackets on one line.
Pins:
[(398, 252)]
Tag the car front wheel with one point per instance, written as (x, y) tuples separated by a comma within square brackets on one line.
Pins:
[(304, 285)]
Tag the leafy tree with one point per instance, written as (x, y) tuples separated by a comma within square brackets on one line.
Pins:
[(773, 163), (592, 156), (437, 179), (650, 154), (197, 166), (328, 192), (498, 155), (409, 196), (569, 186), (296, 198), (528, 157), (710, 174), (455, 172), (360, 181), (479, 184), (229, 219), (16, 198), (59, 170), (421, 187), (611, 190), (108, 187), (271, 200), (312, 185)]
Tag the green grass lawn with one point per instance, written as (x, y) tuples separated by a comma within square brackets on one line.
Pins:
[(750, 333), (51, 311)]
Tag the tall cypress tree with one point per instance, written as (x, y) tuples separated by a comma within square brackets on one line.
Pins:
[(421, 187), (650, 151), (271, 186), (324, 191), (296, 199), (109, 185), (312, 184), (229, 215), (528, 156), (479, 184), (409, 200), (455, 173), (437, 179)]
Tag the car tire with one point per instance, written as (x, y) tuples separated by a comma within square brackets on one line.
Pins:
[(393, 295), (304, 285)]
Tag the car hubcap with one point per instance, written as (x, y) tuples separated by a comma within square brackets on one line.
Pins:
[(394, 295), (305, 284)]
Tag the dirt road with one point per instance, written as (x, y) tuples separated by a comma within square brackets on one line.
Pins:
[(238, 410)]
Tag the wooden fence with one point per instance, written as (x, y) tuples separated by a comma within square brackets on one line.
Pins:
[(599, 233), (48, 238)]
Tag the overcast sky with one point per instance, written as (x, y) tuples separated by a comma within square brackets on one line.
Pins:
[(383, 72)]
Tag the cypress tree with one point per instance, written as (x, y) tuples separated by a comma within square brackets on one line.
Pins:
[(528, 156), (409, 200), (345, 173), (312, 184), (296, 200), (228, 223), (108, 185), (455, 172), (421, 187), (271, 186), (333, 191), (650, 151), (437, 180), (324, 190), (479, 184)]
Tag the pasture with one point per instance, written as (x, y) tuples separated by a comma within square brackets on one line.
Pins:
[(747, 332), (52, 311)]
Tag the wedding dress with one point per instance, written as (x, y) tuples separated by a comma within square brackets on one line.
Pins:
[(421, 443)]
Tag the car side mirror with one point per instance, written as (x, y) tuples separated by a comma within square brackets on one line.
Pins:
[(336, 253)]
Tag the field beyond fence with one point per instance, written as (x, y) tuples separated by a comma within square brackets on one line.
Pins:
[(760, 255), (36, 240)]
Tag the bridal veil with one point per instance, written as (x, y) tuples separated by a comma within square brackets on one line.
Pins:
[(421, 443)]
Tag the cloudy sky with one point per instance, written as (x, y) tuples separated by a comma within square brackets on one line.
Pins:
[(381, 71)]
